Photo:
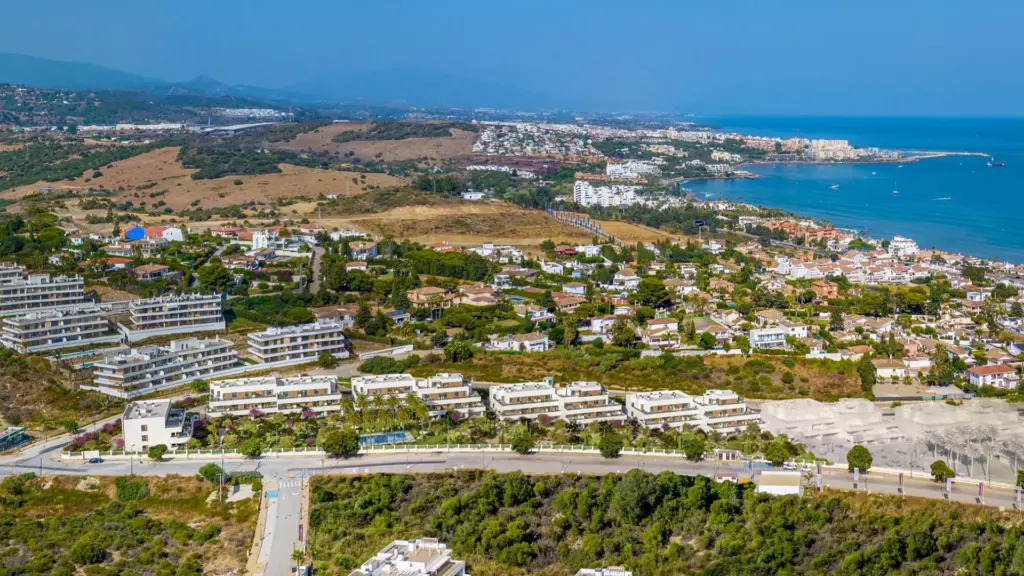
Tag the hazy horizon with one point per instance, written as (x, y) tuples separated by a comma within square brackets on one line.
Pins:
[(803, 59)]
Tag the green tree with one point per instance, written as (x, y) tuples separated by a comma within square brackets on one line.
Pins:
[(363, 315), (458, 351), (651, 292), (326, 360), (695, 447), (523, 443), (298, 556), (867, 374), (776, 454), (610, 444), (622, 334), (200, 386), (212, 473), (251, 448), (835, 321), (858, 457), (707, 341), (157, 452), (547, 301), (340, 443), (941, 471), (214, 277)]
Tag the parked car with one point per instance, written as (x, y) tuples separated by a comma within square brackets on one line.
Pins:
[(95, 460), (789, 466)]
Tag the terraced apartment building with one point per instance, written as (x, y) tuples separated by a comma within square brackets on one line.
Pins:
[(129, 372), (579, 402), (441, 393), (274, 394), (40, 292), (55, 329), (10, 271), (174, 314), (304, 342)]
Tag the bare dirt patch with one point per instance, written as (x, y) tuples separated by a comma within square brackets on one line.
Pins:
[(467, 224), (159, 171), (460, 143)]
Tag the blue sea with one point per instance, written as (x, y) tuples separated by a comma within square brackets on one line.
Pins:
[(954, 203)]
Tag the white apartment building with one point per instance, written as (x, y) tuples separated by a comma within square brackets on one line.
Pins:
[(630, 169), (56, 329), (10, 271), (149, 423), (580, 402), (399, 385), (174, 314), (423, 557), (274, 394), (533, 342), (449, 392), (304, 342), (608, 571), (663, 409), (764, 338), (721, 411), (525, 400), (129, 372), (40, 292), (587, 402), (724, 412), (441, 392), (586, 194), (900, 247)]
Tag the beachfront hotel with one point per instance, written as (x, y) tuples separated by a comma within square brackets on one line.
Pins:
[(174, 314), (304, 342), (54, 329), (40, 292), (129, 372), (274, 394)]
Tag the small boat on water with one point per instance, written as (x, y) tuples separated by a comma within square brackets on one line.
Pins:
[(993, 164), (873, 173), (895, 190), (900, 166), (834, 186)]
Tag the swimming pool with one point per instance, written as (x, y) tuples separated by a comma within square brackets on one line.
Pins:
[(516, 299), (385, 438)]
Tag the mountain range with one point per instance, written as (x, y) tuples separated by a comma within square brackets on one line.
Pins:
[(406, 86)]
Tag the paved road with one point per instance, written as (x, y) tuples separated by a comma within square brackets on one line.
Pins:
[(285, 514), (318, 260)]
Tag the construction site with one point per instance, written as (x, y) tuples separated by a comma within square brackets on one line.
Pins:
[(981, 438)]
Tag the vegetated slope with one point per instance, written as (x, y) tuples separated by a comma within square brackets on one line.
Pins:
[(404, 213), (33, 393), (125, 525), (53, 160), (402, 130), (622, 369), (356, 146), (158, 176), (511, 524)]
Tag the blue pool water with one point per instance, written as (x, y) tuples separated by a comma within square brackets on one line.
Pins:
[(385, 438)]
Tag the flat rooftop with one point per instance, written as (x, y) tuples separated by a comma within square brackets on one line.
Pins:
[(147, 409)]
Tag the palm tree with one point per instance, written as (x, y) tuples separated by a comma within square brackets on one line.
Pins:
[(378, 406)]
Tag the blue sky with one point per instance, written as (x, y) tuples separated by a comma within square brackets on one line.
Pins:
[(870, 57)]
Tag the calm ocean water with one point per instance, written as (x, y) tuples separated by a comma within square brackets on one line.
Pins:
[(955, 203)]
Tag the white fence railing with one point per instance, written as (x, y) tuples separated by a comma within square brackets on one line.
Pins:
[(395, 351)]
